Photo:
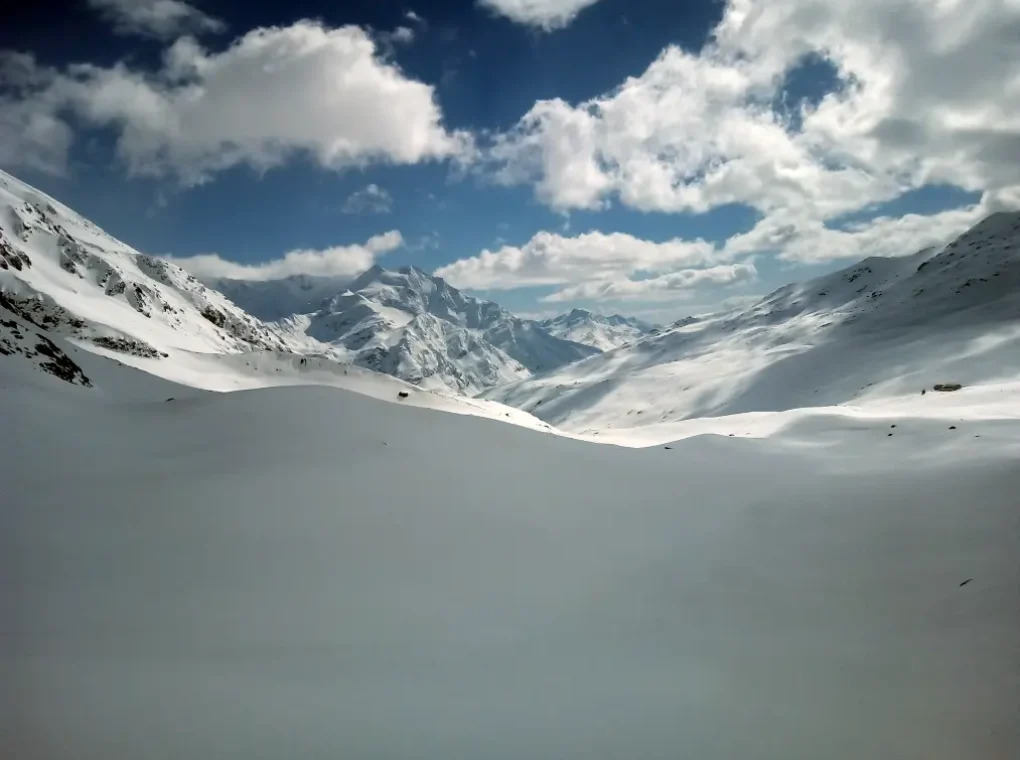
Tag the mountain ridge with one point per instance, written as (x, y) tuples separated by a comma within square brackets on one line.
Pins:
[(881, 327), (414, 325), (604, 332), (60, 272)]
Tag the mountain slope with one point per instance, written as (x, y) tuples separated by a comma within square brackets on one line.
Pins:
[(60, 272), (306, 573), (417, 327), (596, 330), (879, 328)]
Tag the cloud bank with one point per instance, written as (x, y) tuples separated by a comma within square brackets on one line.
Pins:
[(305, 90), (335, 261)]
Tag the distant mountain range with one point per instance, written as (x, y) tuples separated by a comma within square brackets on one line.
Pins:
[(603, 333), (61, 273), (881, 327), (416, 327)]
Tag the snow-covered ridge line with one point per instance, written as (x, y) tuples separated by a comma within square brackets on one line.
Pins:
[(64, 273), (82, 283), (879, 329)]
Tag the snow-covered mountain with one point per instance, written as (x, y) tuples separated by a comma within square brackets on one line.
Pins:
[(601, 332), (307, 572), (61, 273), (882, 327), (417, 327)]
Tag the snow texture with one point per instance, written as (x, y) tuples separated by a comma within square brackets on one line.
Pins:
[(306, 572)]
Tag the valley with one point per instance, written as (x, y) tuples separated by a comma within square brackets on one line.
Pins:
[(409, 523)]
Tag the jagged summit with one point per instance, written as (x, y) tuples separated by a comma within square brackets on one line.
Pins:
[(416, 326), (602, 332)]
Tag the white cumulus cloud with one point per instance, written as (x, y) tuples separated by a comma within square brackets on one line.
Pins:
[(551, 259), (929, 93), (303, 90), (811, 241), (163, 19), (665, 286), (543, 14), (334, 261)]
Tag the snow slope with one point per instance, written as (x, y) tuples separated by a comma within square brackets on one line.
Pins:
[(416, 327), (304, 572), (596, 330), (48, 361), (878, 330), (62, 273)]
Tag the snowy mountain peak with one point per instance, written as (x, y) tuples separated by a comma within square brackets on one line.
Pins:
[(417, 327), (601, 332), (976, 269)]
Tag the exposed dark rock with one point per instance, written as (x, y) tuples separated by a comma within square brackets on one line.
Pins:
[(15, 340), (214, 315), (10, 258), (155, 268), (129, 346), (115, 285), (60, 364), (39, 314), (139, 300)]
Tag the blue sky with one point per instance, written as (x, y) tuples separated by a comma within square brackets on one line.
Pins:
[(656, 157)]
